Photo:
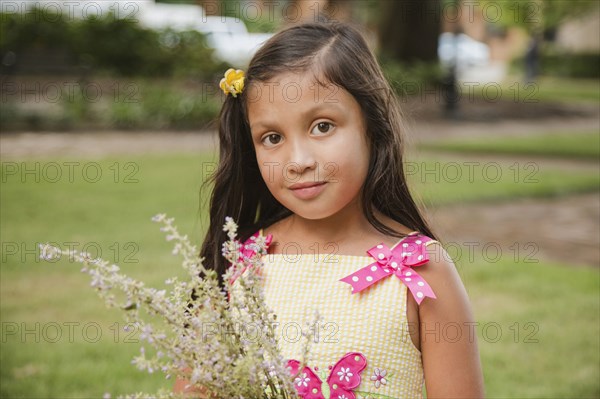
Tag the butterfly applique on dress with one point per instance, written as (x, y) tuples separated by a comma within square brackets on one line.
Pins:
[(343, 378)]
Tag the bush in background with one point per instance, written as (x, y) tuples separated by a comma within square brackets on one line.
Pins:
[(410, 79), (103, 45), (584, 65), (148, 79), (561, 63), (135, 103)]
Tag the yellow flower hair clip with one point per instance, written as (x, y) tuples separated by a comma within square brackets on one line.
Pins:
[(233, 82)]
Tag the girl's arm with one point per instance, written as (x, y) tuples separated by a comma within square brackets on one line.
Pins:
[(447, 332)]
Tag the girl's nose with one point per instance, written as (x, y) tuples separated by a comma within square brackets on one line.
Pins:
[(301, 159)]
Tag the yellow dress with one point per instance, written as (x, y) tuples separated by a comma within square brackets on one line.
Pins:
[(369, 326)]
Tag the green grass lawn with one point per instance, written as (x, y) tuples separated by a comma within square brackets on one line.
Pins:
[(111, 218), (92, 354), (545, 88), (551, 88), (577, 145), (538, 328), (445, 182)]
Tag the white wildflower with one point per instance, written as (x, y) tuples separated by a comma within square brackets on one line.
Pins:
[(159, 217), (202, 335)]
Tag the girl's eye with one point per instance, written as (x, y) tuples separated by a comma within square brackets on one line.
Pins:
[(268, 139), (323, 127)]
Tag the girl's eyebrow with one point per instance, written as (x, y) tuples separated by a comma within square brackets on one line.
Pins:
[(310, 111), (320, 106), (260, 124)]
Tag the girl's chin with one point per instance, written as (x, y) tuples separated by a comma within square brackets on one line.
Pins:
[(308, 212)]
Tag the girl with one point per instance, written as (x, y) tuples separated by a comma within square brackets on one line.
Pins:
[(311, 157)]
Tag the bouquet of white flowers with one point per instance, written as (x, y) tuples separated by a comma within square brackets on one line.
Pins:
[(202, 335)]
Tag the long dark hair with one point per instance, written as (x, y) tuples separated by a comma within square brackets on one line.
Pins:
[(338, 53)]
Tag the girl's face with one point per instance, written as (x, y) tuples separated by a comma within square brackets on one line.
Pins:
[(304, 133)]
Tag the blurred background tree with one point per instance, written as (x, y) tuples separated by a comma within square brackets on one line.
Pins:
[(408, 31)]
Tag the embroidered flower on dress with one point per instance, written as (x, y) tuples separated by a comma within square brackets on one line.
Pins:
[(304, 380), (345, 373), (379, 377)]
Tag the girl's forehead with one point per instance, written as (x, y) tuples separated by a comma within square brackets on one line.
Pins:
[(299, 77), (294, 87)]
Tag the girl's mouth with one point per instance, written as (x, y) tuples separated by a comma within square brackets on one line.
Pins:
[(305, 191)]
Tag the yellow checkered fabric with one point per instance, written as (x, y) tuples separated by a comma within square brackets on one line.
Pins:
[(372, 322)]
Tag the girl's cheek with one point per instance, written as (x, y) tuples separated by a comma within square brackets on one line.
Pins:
[(270, 171)]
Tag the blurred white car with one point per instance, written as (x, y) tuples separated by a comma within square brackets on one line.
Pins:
[(231, 40), (462, 50), (228, 36), (162, 15)]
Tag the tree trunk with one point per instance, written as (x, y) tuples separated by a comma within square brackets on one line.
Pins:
[(409, 29)]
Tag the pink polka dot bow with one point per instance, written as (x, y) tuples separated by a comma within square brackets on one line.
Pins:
[(400, 260)]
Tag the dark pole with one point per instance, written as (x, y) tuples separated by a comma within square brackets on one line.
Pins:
[(449, 83)]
